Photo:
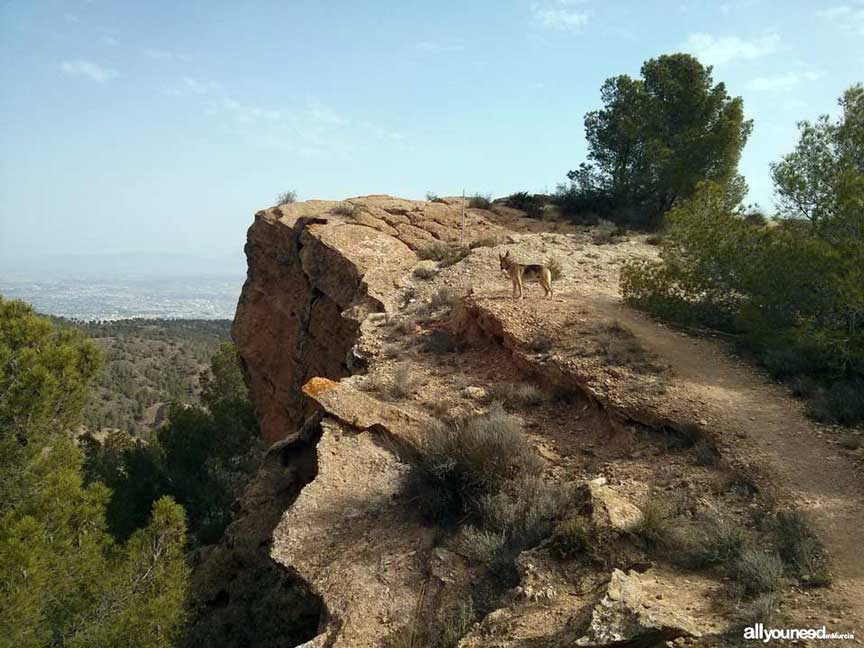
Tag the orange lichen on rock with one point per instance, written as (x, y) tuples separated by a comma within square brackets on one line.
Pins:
[(318, 385)]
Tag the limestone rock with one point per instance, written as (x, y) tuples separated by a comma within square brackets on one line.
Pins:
[(608, 508), (314, 276), (630, 612)]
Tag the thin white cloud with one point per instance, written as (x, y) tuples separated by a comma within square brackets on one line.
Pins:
[(245, 113), (847, 17), (561, 15), (192, 86), (319, 114), (716, 50), (157, 54), (88, 70), (781, 82)]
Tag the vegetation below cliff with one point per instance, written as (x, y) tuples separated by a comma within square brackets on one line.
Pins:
[(149, 363)]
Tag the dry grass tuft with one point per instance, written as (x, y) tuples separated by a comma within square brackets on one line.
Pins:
[(444, 254), (480, 201), (517, 395), (486, 241), (345, 209), (540, 343), (800, 548), (425, 273), (619, 346), (759, 571)]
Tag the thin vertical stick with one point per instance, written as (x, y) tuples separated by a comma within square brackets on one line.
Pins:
[(462, 231)]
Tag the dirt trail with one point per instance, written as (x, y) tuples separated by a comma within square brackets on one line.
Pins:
[(762, 425), (756, 422)]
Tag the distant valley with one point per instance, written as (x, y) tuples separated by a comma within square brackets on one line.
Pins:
[(113, 299)]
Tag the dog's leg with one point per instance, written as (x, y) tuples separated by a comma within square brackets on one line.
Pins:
[(547, 283)]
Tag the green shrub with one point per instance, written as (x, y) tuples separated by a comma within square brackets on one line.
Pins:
[(531, 204), (480, 201), (457, 464), (454, 624), (841, 402), (793, 298), (526, 511), (444, 298), (713, 538), (286, 198), (571, 537), (482, 545), (433, 197), (657, 524), (762, 609)]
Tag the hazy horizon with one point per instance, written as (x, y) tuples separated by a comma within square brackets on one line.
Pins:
[(157, 128)]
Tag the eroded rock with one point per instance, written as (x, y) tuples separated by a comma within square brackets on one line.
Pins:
[(631, 613)]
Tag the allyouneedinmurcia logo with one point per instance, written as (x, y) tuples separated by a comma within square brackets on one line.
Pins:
[(759, 632)]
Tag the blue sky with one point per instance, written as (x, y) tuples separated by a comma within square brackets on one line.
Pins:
[(163, 126)]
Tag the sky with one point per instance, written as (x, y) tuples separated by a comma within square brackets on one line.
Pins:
[(161, 127)]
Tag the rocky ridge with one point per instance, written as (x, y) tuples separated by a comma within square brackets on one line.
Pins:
[(350, 353)]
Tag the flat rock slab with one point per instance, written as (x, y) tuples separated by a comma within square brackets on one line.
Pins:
[(349, 538)]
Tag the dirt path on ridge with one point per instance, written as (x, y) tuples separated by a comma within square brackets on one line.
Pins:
[(770, 430)]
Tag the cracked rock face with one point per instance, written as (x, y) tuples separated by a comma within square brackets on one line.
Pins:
[(314, 274), (349, 537)]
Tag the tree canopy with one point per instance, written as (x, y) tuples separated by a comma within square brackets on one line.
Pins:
[(202, 457), (792, 290), (655, 139), (822, 180), (64, 581)]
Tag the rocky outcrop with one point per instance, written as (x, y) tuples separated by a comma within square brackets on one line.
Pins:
[(644, 610), (331, 293), (315, 271)]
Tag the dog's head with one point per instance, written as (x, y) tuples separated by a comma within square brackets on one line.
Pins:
[(504, 260)]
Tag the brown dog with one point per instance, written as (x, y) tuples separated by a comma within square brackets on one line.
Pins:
[(516, 271)]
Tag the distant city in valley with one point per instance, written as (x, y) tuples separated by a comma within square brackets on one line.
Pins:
[(177, 298), (112, 287)]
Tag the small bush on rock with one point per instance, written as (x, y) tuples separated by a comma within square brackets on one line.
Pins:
[(531, 204), (425, 273), (286, 198), (345, 209), (759, 571), (480, 201), (516, 395), (446, 255), (458, 464)]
